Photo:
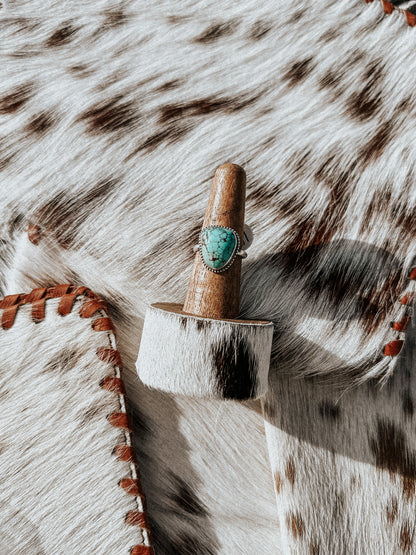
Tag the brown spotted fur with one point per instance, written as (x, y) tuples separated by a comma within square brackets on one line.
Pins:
[(113, 118)]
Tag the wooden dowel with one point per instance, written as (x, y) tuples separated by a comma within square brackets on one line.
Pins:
[(217, 295)]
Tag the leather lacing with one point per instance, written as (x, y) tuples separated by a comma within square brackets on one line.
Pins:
[(112, 383), (390, 7), (399, 326)]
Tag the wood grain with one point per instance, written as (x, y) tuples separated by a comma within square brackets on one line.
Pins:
[(212, 295)]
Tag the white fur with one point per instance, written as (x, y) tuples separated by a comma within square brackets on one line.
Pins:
[(175, 356), (341, 495)]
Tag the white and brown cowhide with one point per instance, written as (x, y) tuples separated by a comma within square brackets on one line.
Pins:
[(114, 116), (69, 482)]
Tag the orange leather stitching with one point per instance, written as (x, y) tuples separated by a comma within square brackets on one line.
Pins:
[(8, 316), (35, 295), (103, 324), (81, 290), (394, 347), (119, 420), (410, 18), (137, 518), (109, 355), (10, 300), (402, 325), (407, 300), (91, 307), (33, 233), (113, 384), (131, 486), (124, 453), (142, 550), (57, 291), (38, 310), (389, 7), (65, 304)]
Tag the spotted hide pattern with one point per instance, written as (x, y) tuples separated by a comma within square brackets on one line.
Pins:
[(114, 115)]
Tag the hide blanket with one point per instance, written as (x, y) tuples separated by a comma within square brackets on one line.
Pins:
[(114, 115)]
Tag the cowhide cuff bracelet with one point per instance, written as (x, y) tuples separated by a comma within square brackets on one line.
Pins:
[(202, 357)]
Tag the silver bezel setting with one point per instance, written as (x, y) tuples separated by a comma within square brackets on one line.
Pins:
[(235, 250)]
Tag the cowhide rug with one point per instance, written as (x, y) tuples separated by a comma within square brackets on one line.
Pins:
[(113, 118)]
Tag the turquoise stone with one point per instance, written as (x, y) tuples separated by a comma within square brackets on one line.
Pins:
[(218, 245)]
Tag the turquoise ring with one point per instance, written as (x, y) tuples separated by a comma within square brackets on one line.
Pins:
[(218, 247)]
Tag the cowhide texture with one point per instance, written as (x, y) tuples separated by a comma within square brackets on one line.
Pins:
[(114, 116), (60, 462), (204, 357)]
